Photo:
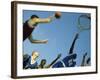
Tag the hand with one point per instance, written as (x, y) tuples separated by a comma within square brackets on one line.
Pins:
[(59, 55), (77, 35), (52, 17), (85, 55)]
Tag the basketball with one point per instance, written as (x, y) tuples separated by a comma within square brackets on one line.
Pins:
[(57, 15)]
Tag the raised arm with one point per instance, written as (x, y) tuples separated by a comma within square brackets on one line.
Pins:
[(73, 44), (48, 66), (83, 60)]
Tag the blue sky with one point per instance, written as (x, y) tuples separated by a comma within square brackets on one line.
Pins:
[(60, 34)]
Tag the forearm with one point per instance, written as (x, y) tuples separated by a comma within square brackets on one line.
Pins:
[(83, 60), (36, 41), (45, 20), (52, 62)]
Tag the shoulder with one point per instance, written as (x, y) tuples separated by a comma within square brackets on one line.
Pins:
[(26, 56)]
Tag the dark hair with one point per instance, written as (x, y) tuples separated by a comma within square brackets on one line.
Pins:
[(34, 16), (43, 61)]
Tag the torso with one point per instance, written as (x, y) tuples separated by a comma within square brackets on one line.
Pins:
[(27, 30)]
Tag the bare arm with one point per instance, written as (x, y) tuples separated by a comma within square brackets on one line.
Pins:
[(44, 20), (36, 41)]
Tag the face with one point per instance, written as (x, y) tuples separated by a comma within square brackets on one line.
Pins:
[(34, 19), (35, 55)]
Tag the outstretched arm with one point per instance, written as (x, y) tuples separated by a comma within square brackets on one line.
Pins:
[(36, 41), (56, 15), (59, 55), (45, 20)]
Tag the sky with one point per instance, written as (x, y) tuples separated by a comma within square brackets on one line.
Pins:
[(60, 34)]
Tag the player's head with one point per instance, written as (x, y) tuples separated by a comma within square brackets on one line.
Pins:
[(43, 62), (34, 16), (35, 54)]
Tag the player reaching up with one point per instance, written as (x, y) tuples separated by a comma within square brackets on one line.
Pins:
[(32, 23)]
